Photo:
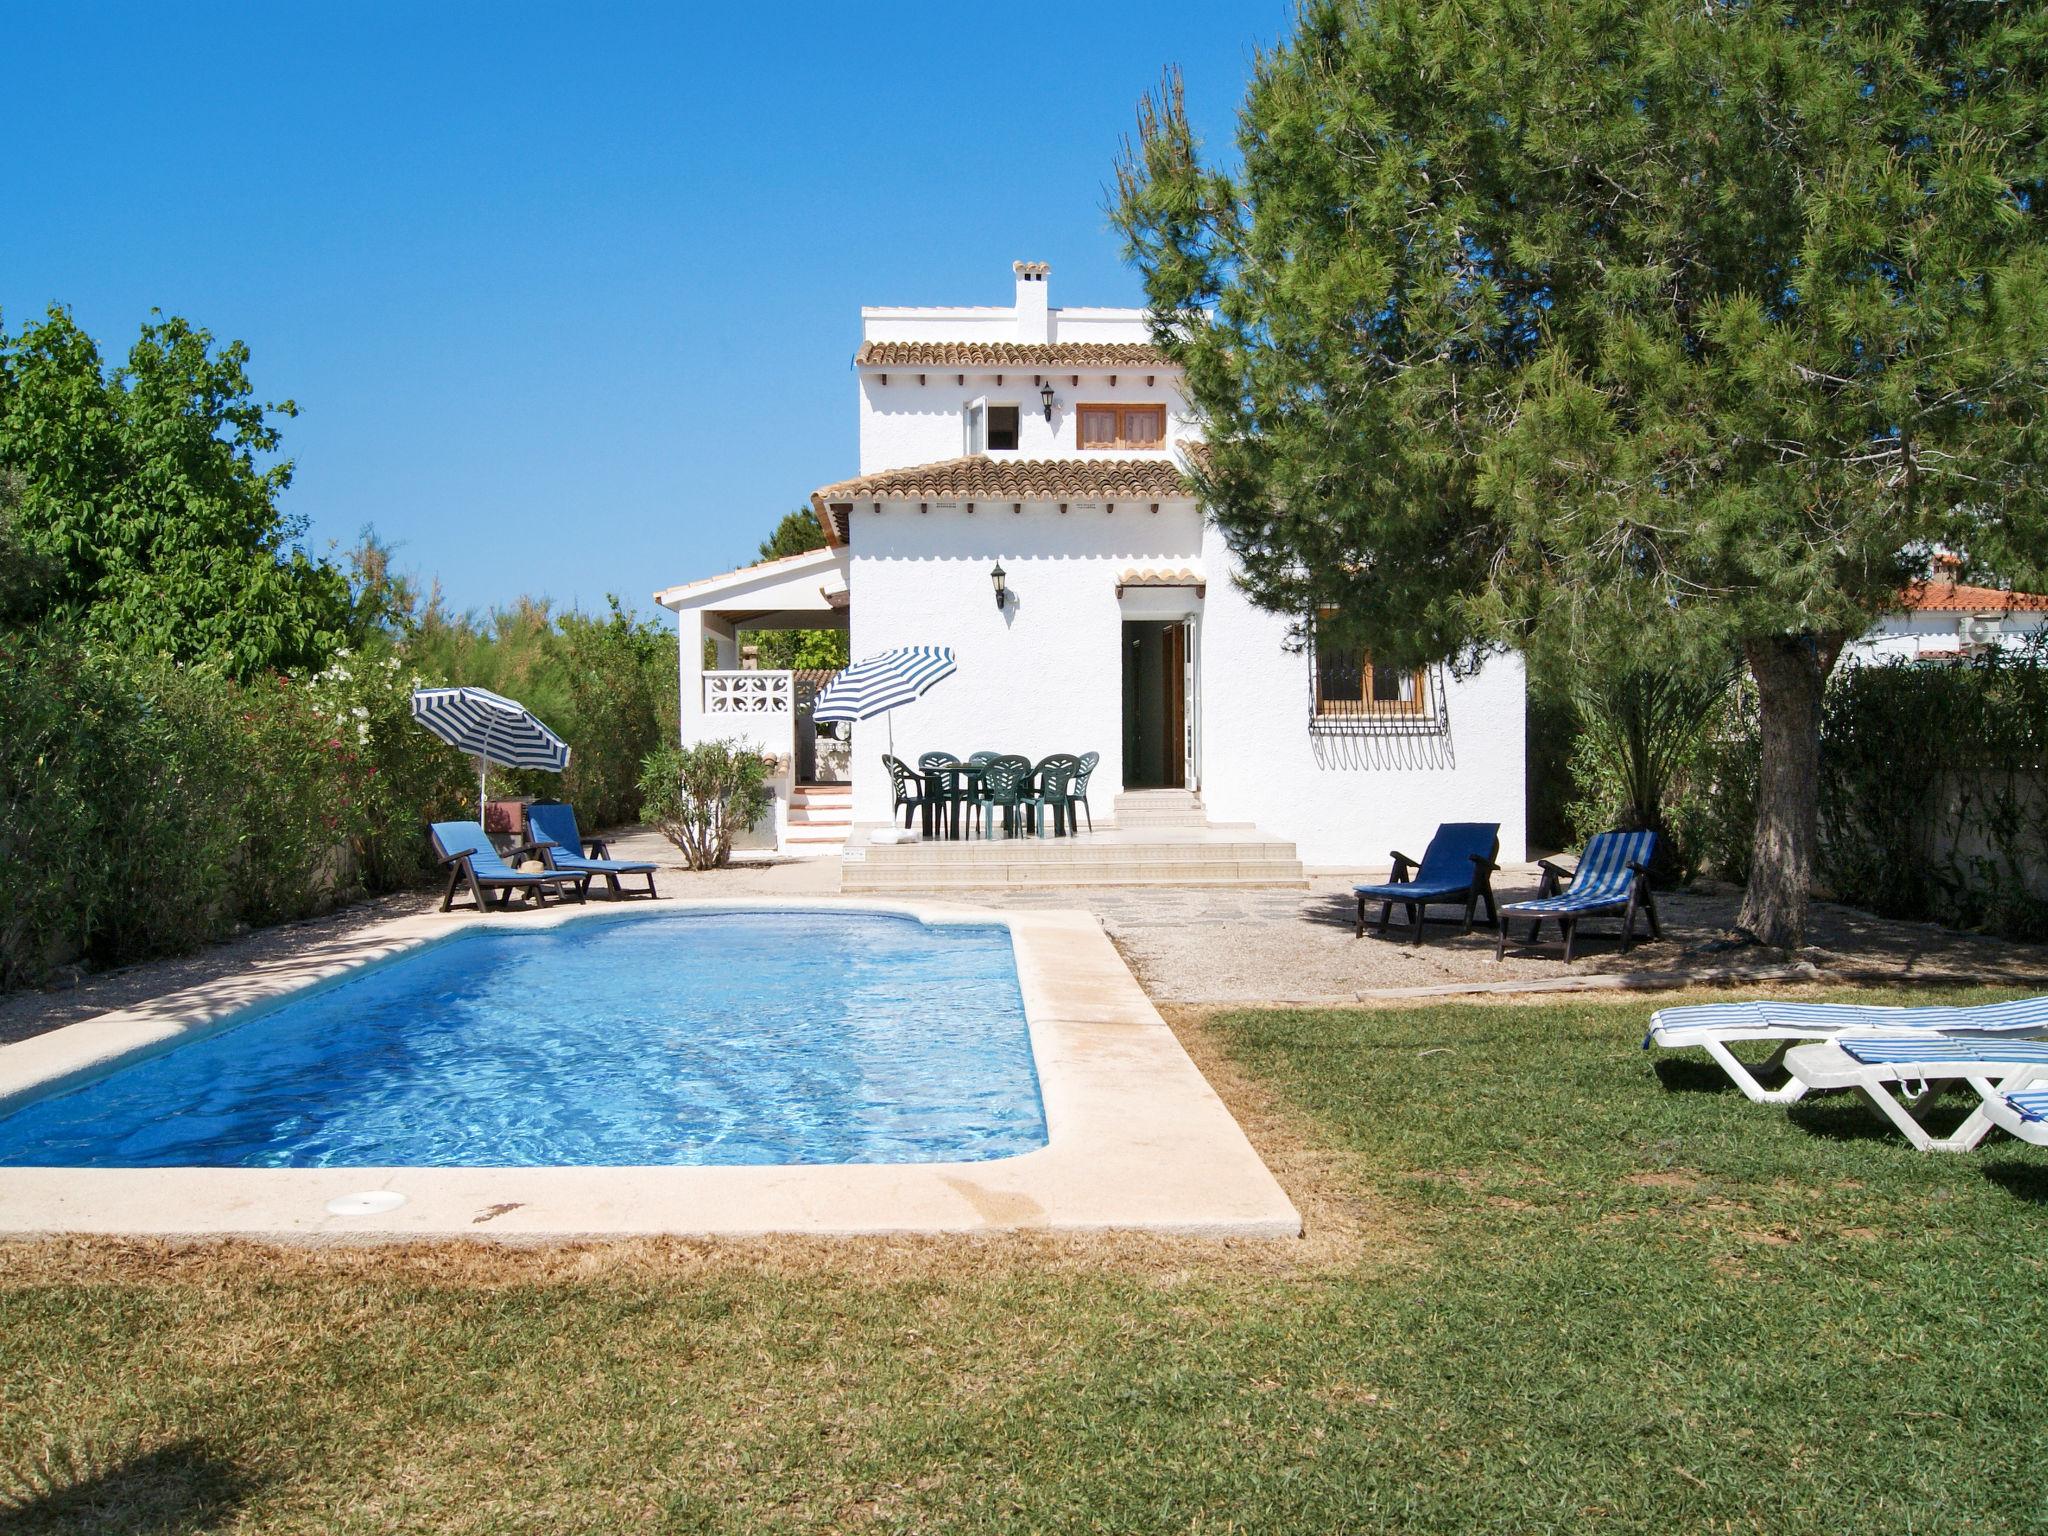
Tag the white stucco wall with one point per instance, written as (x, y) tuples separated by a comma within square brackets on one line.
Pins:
[(904, 422), (1346, 801), (1045, 676)]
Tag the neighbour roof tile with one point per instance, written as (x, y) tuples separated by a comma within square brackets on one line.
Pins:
[(978, 479), (1959, 597), (1048, 357)]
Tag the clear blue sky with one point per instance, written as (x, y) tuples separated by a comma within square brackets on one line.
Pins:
[(567, 295)]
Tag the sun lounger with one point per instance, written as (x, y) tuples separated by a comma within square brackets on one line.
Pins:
[(469, 856), (2023, 1114), (1457, 866), (1899, 1074), (551, 826), (1613, 879), (1714, 1027)]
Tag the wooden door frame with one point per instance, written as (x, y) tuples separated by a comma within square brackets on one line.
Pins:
[(1174, 664)]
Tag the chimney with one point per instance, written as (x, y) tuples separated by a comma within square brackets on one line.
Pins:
[(1034, 315)]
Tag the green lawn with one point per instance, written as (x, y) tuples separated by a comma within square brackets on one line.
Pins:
[(1551, 1289)]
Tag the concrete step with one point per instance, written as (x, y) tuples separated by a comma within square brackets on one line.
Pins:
[(1031, 851), (820, 816), (1158, 808), (1205, 862), (855, 878), (1168, 844)]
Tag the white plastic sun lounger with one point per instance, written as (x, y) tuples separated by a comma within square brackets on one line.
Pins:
[(1713, 1027), (2023, 1114), (1898, 1074)]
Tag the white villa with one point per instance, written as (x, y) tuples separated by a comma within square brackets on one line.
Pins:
[(1045, 443)]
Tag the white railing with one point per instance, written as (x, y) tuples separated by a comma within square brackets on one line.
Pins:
[(749, 693)]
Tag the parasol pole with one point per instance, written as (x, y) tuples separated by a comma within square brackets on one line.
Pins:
[(482, 767)]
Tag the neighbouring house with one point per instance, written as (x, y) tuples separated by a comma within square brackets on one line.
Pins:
[(1942, 619), (1048, 442)]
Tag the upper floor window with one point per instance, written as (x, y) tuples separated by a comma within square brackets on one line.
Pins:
[(986, 427), (1121, 426)]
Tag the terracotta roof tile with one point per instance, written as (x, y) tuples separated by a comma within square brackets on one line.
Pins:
[(1047, 357), (1957, 597), (1150, 576), (978, 479)]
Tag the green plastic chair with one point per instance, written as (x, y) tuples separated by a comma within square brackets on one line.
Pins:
[(1080, 792), (1052, 799), (1005, 784), (907, 787), (942, 789)]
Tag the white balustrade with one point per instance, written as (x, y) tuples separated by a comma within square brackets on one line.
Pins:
[(749, 693)]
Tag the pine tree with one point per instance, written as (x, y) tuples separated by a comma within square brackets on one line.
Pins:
[(1596, 326)]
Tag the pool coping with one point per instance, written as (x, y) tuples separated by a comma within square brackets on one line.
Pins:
[(1136, 1139)]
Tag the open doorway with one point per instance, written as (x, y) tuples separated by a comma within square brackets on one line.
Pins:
[(1155, 668)]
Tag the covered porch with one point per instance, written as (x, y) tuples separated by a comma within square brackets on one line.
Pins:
[(724, 696)]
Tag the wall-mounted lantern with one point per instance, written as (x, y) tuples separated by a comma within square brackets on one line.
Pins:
[(1045, 398), (998, 577)]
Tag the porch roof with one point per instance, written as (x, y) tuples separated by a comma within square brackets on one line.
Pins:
[(993, 481), (813, 582)]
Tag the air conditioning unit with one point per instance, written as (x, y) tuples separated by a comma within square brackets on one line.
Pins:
[(1980, 629)]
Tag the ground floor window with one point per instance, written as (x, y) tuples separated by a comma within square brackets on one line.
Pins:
[(1349, 689)]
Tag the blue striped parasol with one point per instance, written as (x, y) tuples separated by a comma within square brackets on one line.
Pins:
[(491, 728), (876, 684)]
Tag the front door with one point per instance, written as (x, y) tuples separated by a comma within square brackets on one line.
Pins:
[(1157, 731)]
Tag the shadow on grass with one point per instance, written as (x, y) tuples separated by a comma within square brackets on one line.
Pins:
[(1681, 1076), (186, 1486), (2025, 1181), (1846, 1118)]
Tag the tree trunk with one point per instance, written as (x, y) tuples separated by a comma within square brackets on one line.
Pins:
[(1790, 671)]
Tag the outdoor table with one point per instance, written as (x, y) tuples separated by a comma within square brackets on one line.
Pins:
[(950, 783)]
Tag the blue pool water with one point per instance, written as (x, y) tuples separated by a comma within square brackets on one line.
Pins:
[(670, 1038)]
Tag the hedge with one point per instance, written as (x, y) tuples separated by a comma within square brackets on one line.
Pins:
[(148, 808)]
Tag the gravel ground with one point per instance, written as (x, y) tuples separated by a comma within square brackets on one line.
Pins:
[(1197, 946)]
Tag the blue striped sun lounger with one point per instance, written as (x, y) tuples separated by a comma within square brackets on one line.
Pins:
[(1900, 1074), (1612, 880), (1715, 1027), (2023, 1114)]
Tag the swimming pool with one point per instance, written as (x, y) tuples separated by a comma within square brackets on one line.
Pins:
[(693, 1038)]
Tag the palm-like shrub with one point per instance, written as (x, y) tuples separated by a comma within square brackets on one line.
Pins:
[(1643, 732)]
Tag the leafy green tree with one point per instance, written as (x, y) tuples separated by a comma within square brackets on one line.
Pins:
[(152, 491), (1608, 325)]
